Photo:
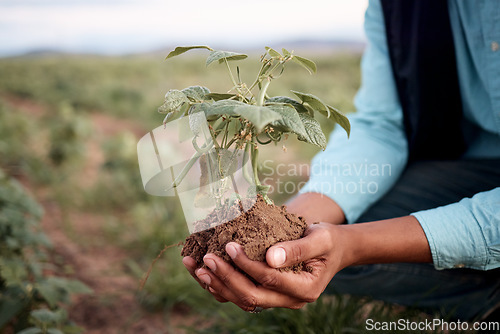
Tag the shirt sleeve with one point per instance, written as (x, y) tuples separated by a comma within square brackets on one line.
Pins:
[(358, 171), (465, 234)]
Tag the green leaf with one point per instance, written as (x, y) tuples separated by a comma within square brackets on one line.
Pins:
[(273, 53), (13, 300), (219, 96), (54, 331), (259, 116), (286, 52), (340, 119), (51, 293), (290, 120), (196, 93), (314, 133), (174, 99), (224, 55), (172, 116), (314, 102), (285, 99), (31, 330), (181, 49), (308, 64), (196, 122), (57, 289), (223, 107), (46, 316), (75, 286)]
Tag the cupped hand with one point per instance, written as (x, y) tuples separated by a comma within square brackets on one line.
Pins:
[(320, 249)]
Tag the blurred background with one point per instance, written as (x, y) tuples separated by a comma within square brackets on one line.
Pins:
[(80, 83), (118, 27)]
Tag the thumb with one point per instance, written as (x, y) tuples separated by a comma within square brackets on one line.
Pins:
[(288, 253)]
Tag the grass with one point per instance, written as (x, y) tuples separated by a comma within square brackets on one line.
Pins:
[(51, 149)]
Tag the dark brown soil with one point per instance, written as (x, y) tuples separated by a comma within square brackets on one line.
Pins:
[(257, 229)]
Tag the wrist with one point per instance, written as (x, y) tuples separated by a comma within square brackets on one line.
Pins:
[(348, 241), (316, 207), (386, 241)]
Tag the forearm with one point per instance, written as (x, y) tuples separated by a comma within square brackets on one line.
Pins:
[(386, 241), (315, 207), (393, 240)]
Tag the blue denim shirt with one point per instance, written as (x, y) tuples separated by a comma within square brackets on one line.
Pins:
[(356, 172)]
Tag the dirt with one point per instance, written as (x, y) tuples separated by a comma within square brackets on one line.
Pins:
[(113, 307), (257, 229), (85, 253), (82, 251)]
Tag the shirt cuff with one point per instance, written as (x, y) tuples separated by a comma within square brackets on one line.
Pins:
[(455, 238)]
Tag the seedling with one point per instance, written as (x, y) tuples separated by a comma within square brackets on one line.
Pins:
[(245, 117)]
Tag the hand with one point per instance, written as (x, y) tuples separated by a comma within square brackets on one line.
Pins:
[(325, 249), (321, 249)]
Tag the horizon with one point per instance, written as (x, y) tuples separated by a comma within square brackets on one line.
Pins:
[(131, 27)]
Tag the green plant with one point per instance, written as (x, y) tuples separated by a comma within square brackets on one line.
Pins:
[(30, 300), (247, 116), (339, 314), (67, 136), (16, 154), (332, 314)]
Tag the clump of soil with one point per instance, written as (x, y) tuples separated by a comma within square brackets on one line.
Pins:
[(257, 229)]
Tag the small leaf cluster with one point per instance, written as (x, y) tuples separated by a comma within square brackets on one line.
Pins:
[(246, 116), (30, 301), (273, 116)]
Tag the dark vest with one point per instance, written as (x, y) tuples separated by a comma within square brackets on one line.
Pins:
[(422, 55)]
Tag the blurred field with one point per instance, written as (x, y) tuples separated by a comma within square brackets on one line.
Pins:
[(68, 131)]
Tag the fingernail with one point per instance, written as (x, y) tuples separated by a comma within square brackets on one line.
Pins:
[(204, 277), (210, 264), (185, 262), (231, 250), (279, 256)]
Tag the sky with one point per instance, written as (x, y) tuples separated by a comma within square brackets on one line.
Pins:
[(134, 26)]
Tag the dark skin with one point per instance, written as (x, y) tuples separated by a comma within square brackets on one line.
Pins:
[(326, 248)]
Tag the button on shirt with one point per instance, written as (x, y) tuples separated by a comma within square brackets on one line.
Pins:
[(357, 172)]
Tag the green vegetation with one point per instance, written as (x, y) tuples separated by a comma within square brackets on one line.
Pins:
[(68, 130), (246, 116), (30, 300)]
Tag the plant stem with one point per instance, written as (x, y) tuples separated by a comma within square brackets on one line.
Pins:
[(257, 80), (186, 169), (262, 93), (224, 137), (245, 160), (261, 189), (237, 85), (230, 72), (230, 143), (255, 155)]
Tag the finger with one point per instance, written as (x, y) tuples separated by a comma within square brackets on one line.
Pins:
[(217, 297), (315, 244), (191, 267), (239, 289), (304, 286), (206, 278)]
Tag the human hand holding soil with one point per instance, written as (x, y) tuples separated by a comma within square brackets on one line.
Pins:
[(270, 287), (325, 249)]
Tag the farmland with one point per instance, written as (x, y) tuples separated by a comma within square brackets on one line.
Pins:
[(69, 125)]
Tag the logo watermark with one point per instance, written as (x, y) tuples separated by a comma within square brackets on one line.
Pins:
[(430, 325), (348, 178)]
